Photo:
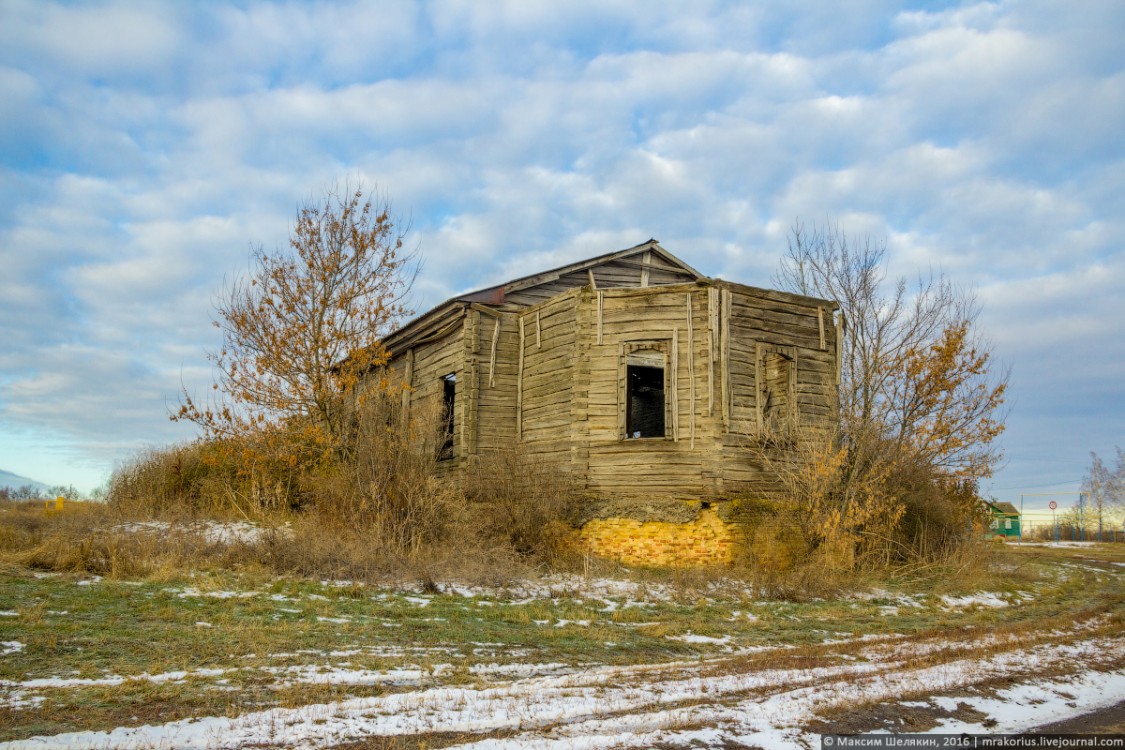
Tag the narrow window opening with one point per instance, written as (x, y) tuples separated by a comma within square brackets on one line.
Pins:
[(776, 406), (644, 416), (448, 397)]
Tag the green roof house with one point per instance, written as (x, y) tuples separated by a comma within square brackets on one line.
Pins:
[(1003, 521)]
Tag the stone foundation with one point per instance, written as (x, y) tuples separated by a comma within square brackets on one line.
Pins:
[(708, 540), (760, 533)]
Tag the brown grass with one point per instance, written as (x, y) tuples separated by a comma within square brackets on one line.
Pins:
[(383, 512)]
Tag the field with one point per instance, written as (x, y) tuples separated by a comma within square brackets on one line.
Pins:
[(231, 659)]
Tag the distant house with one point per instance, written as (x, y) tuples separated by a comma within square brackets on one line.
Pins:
[(1003, 520), (637, 377)]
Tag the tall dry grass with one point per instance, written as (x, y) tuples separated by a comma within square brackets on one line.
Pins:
[(381, 508), (847, 510)]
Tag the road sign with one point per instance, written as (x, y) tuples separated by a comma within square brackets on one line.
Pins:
[(1052, 505)]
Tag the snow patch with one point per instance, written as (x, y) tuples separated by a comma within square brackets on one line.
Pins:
[(109, 680), (690, 637), (194, 592), (213, 532), (982, 599), (639, 706)]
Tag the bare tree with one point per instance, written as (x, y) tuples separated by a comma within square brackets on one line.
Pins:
[(304, 326), (915, 371), (1105, 486)]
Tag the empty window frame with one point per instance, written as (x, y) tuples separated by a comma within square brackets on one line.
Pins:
[(645, 393), (776, 376), (448, 399)]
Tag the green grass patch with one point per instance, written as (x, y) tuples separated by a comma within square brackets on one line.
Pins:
[(245, 641)]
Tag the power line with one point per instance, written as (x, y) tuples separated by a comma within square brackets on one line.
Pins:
[(1036, 486)]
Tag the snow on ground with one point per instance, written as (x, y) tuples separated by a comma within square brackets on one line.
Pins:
[(644, 705), (213, 532), (188, 592), (690, 637), (570, 586), (981, 598), (10, 647), (108, 680), (1067, 544), (1034, 704), (410, 676)]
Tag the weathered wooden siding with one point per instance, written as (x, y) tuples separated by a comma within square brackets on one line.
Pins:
[(545, 370), (763, 321), (764, 317), (611, 321), (545, 337), (497, 352), (422, 369)]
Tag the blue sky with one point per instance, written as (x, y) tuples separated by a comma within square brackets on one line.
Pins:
[(144, 146)]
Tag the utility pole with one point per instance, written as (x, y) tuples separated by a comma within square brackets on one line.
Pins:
[(1081, 523), (1020, 527)]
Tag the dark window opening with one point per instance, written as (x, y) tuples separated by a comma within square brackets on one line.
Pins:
[(644, 417), (448, 397)]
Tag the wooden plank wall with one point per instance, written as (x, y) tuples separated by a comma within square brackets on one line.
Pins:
[(557, 390), (768, 318), (650, 467), (545, 382), (496, 405), (428, 364), (760, 319)]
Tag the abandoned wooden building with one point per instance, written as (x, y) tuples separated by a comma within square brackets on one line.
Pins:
[(635, 376)]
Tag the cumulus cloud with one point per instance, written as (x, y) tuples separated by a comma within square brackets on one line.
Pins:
[(145, 147)]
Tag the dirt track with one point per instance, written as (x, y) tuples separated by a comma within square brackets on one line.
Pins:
[(1109, 720)]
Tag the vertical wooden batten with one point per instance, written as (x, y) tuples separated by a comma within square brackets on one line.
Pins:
[(601, 307), (820, 323), (492, 355), (622, 394), (519, 388), (691, 373), (758, 381), (839, 347), (469, 387), (712, 345), (674, 384), (724, 354), (646, 259)]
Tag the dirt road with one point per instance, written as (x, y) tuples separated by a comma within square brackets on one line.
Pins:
[(1110, 720)]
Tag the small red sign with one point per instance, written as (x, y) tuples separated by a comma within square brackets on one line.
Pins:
[(1053, 505)]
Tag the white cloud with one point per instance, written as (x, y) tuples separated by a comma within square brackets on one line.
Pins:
[(145, 146), (100, 40)]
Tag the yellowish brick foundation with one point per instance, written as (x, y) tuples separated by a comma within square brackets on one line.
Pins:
[(708, 540)]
